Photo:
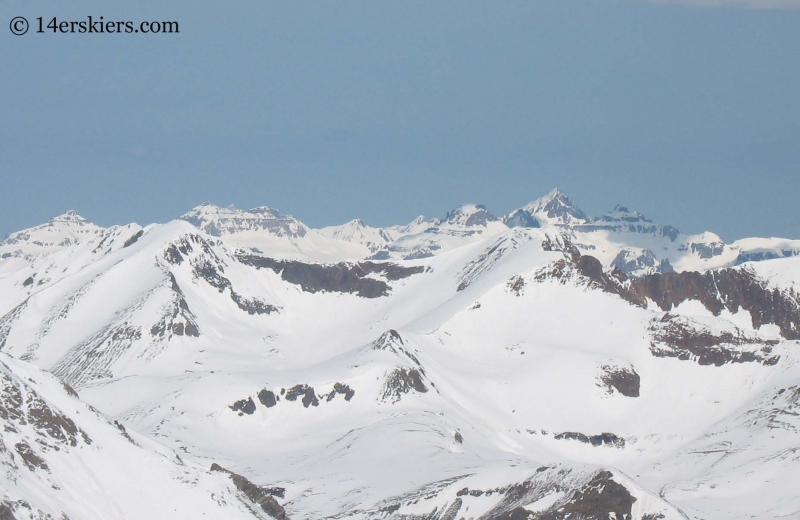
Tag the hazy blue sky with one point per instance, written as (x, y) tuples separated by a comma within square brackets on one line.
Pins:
[(388, 109)]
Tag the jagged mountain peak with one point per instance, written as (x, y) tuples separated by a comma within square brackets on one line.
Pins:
[(419, 224), (356, 222), (622, 213), (70, 216), (470, 215), (357, 231), (556, 208), (263, 363)]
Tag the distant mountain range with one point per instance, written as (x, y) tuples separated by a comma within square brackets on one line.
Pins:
[(542, 365)]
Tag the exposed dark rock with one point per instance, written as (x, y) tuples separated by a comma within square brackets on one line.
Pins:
[(211, 269), (516, 285), (252, 305), (175, 252), (457, 436), (678, 337), (521, 218), (244, 406), (21, 405), (267, 398), (518, 513), (592, 496), (584, 268), (595, 440), (173, 255), (387, 510), (759, 256), (419, 253), (624, 380), (54, 424), (600, 499), (401, 381), (730, 289), (178, 320), (257, 494), (178, 328), (28, 282), (707, 250), (132, 240), (343, 389), (211, 273), (451, 512), (11, 401), (6, 513), (309, 397), (341, 277), (30, 458), (124, 432), (70, 391), (387, 340), (276, 491), (380, 255)]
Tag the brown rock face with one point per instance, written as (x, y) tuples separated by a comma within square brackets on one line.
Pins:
[(730, 289), (401, 381), (601, 499), (677, 336), (622, 379), (257, 494)]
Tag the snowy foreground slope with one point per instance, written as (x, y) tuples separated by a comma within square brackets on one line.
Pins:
[(62, 459), (542, 365)]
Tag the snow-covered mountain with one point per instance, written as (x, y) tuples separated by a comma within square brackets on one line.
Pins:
[(266, 229), (542, 365), (62, 458), (54, 235), (554, 208)]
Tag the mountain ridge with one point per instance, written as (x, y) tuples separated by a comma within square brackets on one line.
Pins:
[(477, 370), (620, 238)]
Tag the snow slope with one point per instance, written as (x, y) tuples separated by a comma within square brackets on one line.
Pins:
[(62, 458), (482, 369)]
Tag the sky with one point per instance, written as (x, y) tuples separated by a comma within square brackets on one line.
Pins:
[(687, 111)]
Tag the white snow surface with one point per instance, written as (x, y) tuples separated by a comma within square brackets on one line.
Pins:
[(453, 373)]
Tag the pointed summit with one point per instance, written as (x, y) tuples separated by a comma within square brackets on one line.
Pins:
[(359, 232), (554, 208), (418, 225), (70, 216)]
